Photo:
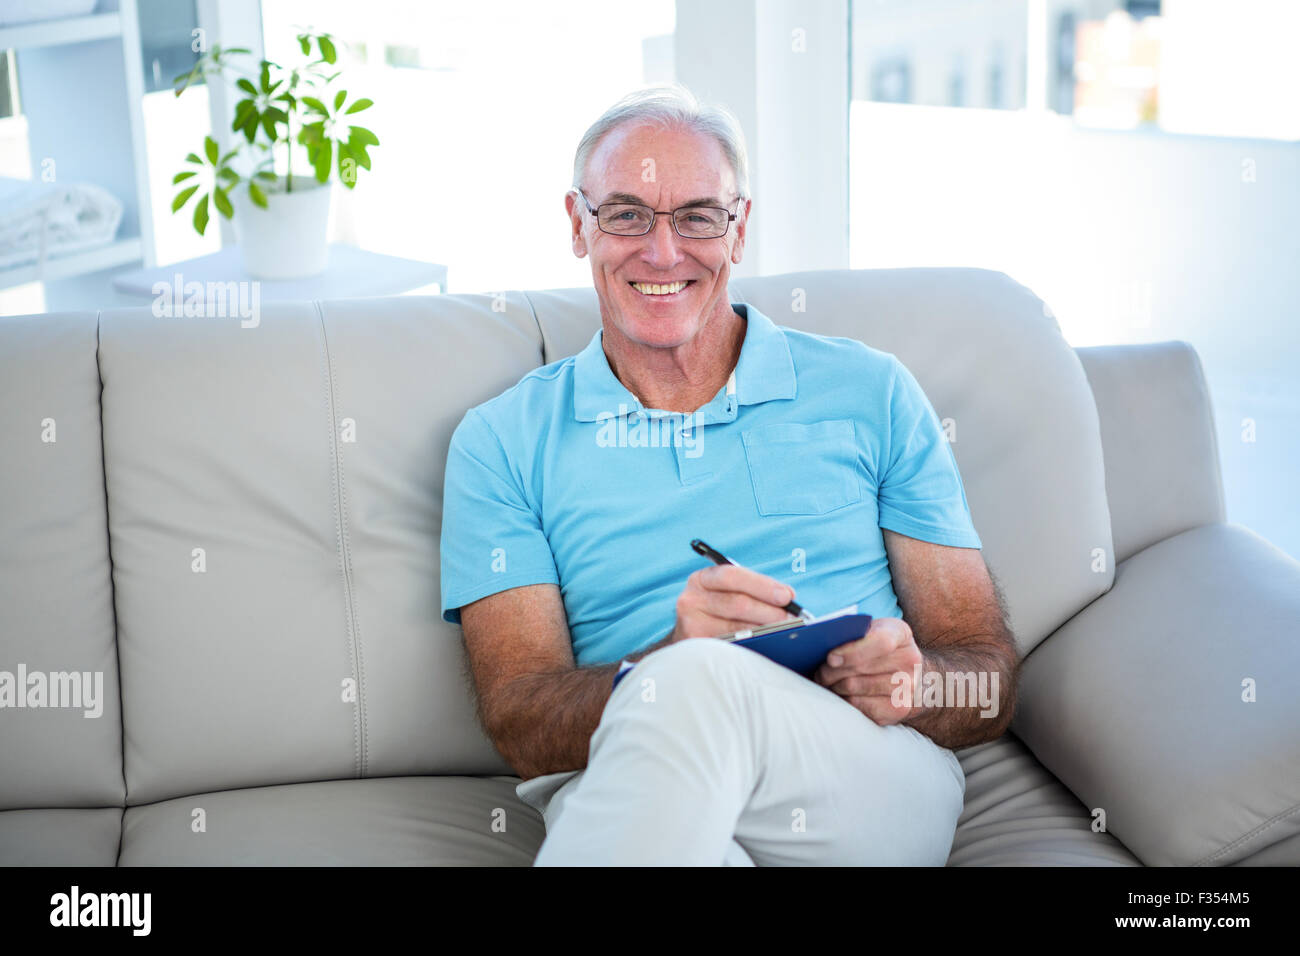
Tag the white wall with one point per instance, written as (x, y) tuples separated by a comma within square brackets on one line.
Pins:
[(1129, 237), (782, 67)]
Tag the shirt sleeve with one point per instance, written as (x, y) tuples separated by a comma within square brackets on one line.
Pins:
[(492, 538), (921, 493)]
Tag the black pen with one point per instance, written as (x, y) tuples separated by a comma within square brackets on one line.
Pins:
[(717, 557)]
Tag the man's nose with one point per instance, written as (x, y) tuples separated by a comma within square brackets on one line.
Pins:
[(663, 245)]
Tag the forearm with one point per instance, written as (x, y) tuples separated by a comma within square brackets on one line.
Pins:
[(542, 723), (967, 692)]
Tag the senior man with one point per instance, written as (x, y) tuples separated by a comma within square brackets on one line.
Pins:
[(814, 462)]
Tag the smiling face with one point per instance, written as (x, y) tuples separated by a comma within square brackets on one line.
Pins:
[(658, 290)]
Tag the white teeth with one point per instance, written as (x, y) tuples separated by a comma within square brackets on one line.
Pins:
[(655, 289)]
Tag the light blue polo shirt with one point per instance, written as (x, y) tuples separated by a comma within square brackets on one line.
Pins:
[(813, 446)]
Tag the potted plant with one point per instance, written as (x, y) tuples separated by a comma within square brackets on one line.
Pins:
[(280, 219)]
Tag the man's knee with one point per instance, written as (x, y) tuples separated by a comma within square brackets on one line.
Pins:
[(694, 672), (688, 692)]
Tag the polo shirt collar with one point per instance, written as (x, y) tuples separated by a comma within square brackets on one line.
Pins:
[(764, 372)]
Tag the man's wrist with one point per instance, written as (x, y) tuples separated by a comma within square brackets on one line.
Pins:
[(928, 664)]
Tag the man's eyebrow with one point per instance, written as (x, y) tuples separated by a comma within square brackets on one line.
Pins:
[(628, 197)]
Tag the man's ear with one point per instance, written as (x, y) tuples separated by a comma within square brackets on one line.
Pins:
[(742, 224), (574, 210)]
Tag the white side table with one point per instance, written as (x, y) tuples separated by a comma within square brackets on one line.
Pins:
[(351, 272)]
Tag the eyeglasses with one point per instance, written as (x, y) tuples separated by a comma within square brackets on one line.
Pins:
[(637, 219)]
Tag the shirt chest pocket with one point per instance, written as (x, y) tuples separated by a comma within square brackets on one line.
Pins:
[(800, 469)]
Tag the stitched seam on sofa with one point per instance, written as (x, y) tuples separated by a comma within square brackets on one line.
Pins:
[(1249, 835), (112, 590), (344, 554), (546, 348), (350, 583)]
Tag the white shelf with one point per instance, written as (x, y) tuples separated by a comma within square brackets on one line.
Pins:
[(350, 273), (117, 253), (26, 36)]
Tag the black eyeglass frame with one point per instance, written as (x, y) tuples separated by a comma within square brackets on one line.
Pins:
[(595, 211)]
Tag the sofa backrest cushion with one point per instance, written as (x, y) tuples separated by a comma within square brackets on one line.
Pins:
[(56, 596), (274, 508)]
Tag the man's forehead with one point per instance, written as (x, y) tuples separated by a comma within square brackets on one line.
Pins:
[(647, 163)]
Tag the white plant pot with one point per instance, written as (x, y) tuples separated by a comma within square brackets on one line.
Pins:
[(288, 239)]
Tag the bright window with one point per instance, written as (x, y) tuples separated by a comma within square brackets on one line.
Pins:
[(1132, 163), (1188, 66), (478, 108)]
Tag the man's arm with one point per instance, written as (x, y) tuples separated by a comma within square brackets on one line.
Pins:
[(537, 706), (539, 709), (953, 624), (959, 624)]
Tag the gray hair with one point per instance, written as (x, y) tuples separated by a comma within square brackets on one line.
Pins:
[(669, 105)]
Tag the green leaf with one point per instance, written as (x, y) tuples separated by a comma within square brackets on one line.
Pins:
[(341, 161), (349, 162), (324, 156), (225, 159), (222, 202), (266, 175), (304, 44), (210, 149), (266, 76), (229, 175), (256, 195), (201, 215), (358, 150), (183, 197), (359, 105), (268, 124), (327, 51), (238, 49), (246, 86), (277, 114), (311, 134), (339, 99), (180, 177), (316, 105), (250, 127), (362, 135), (193, 158)]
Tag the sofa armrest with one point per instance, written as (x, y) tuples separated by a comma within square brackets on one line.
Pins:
[(1141, 703), (1158, 441)]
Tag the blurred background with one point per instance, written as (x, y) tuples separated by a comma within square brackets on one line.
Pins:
[(1134, 162)]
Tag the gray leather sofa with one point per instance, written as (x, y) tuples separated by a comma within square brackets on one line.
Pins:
[(238, 528)]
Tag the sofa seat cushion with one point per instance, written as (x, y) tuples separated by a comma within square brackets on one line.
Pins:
[(386, 821), (1018, 814), (75, 837)]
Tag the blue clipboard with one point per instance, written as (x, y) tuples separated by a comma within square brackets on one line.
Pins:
[(799, 645)]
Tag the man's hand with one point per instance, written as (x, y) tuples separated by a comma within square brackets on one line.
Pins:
[(725, 598), (863, 671)]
